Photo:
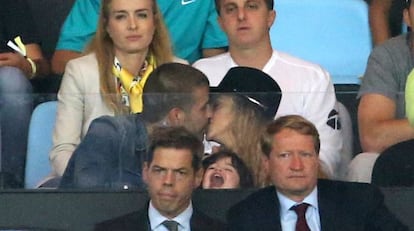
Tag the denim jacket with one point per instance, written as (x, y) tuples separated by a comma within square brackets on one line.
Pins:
[(110, 155)]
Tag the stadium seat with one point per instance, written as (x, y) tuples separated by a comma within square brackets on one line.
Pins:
[(39, 143), (334, 34)]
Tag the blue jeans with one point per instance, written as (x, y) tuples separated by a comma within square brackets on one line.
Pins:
[(16, 104)]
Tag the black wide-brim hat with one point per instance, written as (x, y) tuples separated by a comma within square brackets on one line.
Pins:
[(255, 85)]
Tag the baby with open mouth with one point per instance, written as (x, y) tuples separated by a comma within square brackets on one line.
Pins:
[(225, 170)]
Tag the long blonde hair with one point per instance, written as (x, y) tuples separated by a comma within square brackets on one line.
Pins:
[(103, 47), (248, 124)]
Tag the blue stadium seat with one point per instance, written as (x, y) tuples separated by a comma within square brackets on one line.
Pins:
[(334, 34), (39, 143)]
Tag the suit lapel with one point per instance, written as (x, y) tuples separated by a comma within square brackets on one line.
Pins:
[(270, 212), (330, 203), (196, 223), (143, 220), (140, 221)]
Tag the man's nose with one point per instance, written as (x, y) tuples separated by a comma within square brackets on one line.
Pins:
[(241, 14), (209, 112), (296, 162), (169, 178)]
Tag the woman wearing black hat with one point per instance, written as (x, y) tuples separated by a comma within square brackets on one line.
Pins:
[(246, 100)]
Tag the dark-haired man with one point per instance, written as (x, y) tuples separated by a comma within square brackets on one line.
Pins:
[(172, 171), (111, 154)]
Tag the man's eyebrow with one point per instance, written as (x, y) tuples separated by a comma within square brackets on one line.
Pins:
[(158, 167), (172, 169), (180, 169)]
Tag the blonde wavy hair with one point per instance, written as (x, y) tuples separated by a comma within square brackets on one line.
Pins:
[(103, 47), (248, 124)]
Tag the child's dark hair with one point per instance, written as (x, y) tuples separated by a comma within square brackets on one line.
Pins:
[(246, 179)]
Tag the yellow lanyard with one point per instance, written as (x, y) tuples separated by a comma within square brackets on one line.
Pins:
[(133, 86)]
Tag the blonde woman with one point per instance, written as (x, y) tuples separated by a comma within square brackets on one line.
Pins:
[(131, 40)]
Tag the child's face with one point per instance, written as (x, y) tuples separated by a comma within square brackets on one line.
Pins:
[(221, 175)]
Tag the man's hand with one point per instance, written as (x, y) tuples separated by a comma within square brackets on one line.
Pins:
[(15, 60)]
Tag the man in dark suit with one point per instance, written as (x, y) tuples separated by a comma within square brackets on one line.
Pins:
[(298, 200), (172, 171)]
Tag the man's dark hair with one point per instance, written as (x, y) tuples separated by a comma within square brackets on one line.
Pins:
[(178, 138), (246, 179), (269, 4), (170, 85)]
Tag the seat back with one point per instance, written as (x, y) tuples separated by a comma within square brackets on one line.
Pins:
[(395, 166), (334, 34), (39, 143)]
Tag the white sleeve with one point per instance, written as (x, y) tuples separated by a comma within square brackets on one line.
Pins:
[(322, 110), (69, 118)]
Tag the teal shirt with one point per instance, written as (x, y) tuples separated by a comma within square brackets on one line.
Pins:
[(192, 25)]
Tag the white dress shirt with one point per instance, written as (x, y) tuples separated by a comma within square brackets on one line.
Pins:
[(288, 217), (156, 219)]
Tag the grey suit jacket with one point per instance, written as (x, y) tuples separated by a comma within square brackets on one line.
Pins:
[(343, 206)]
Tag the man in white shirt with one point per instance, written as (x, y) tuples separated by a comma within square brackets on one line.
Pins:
[(306, 88), (172, 171), (302, 202)]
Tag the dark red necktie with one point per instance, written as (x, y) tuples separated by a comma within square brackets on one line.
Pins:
[(301, 224)]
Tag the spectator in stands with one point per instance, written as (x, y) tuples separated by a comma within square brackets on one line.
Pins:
[(21, 59), (298, 200), (181, 17), (225, 170), (110, 155), (385, 17), (172, 171), (246, 100), (130, 42), (382, 118), (307, 88)]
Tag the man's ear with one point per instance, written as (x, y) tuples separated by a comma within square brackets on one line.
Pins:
[(176, 116), (145, 169), (406, 17), (271, 19), (198, 177)]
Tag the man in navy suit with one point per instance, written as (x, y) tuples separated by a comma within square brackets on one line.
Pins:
[(298, 200), (172, 171)]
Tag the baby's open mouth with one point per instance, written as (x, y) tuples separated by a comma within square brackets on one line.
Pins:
[(216, 180)]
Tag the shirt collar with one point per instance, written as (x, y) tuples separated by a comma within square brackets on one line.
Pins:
[(183, 219), (286, 203)]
